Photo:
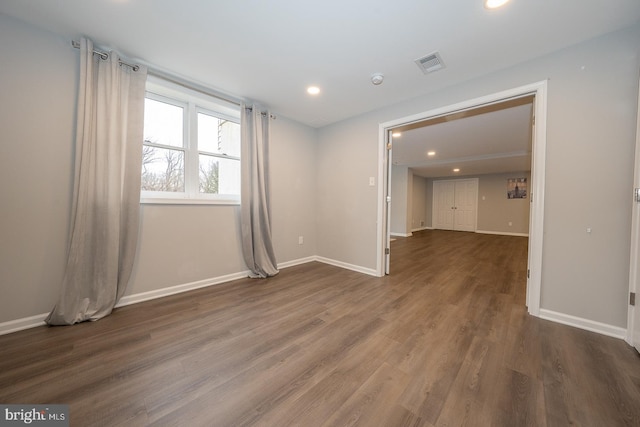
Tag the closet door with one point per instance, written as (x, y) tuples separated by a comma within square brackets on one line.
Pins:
[(466, 202), (443, 205), (455, 204)]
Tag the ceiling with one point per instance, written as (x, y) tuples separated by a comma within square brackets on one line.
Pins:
[(269, 52), (485, 140)]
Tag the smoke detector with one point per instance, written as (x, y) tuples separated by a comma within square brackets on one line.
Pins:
[(430, 63), (377, 78)]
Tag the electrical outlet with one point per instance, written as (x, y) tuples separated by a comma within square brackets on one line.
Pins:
[(300, 240)]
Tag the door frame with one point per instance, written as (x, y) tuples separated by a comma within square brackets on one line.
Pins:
[(632, 336), (536, 218)]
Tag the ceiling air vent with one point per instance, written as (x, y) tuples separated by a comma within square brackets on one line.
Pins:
[(430, 63)]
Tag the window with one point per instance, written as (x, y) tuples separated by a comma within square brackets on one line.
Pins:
[(191, 148)]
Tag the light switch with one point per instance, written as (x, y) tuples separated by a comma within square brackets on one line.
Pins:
[(372, 181)]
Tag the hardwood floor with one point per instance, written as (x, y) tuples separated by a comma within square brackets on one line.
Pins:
[(445, 340)]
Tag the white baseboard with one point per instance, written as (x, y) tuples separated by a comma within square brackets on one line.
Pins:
[(421, 229), (502, 233), (586, 324), (22, 324), (401, 234), (172, 290), (38, 320), (297, 262), (359, 269)]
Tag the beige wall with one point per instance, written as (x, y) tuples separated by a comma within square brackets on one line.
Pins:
[(293, 185), (178, 244), (400, 199), (347, 205), (419, 212), (496, 211), (592, 101), (37, 102)]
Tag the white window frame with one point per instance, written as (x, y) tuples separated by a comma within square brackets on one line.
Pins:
[(193, 103)]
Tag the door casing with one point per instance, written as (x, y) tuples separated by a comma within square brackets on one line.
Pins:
[(633, 312), (536, 217)]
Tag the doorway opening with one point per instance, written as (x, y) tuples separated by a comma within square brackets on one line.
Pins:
[(535, 94)]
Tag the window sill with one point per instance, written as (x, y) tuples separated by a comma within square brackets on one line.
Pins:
[(179, 201)]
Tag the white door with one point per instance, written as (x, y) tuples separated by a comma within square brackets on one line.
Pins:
[(466, 204), (443, 204), (455, 204), (633, 317)]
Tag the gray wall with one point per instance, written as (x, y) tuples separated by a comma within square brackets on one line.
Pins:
[(592, 102), (419, 216), (400, 200), (495, 211), (408, 201), (178, 244), (37, 103), (347, 205)]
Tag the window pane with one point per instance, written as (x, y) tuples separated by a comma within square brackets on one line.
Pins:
[(163, 123), (162, 169), (218, 136), (219, 175)]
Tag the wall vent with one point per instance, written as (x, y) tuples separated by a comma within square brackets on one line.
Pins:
[(430, 63)]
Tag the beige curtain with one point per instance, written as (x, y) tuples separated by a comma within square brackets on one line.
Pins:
[(255, 213), (106, 195)]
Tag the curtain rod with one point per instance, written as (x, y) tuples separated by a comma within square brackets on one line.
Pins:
[(105, 56), (262, 113), (191, 86), (176, 80)]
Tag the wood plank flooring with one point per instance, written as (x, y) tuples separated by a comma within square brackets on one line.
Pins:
[(445, 340)]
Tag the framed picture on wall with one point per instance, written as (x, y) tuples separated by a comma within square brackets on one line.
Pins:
[(517, 188)]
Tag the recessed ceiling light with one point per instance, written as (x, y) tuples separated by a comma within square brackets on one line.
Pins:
[(456, 170), (313, 90), (431, 153), (494, 4), (396, 134)]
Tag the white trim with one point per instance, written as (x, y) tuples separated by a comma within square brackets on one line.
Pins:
[(502, 233), (401, 234), (536, 213), (186, 201), (536, 221), (346, 266), (298, 261), (421, 229), (178, 289), (22, 324), (586, 324), (381, 218), (634, 253)]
